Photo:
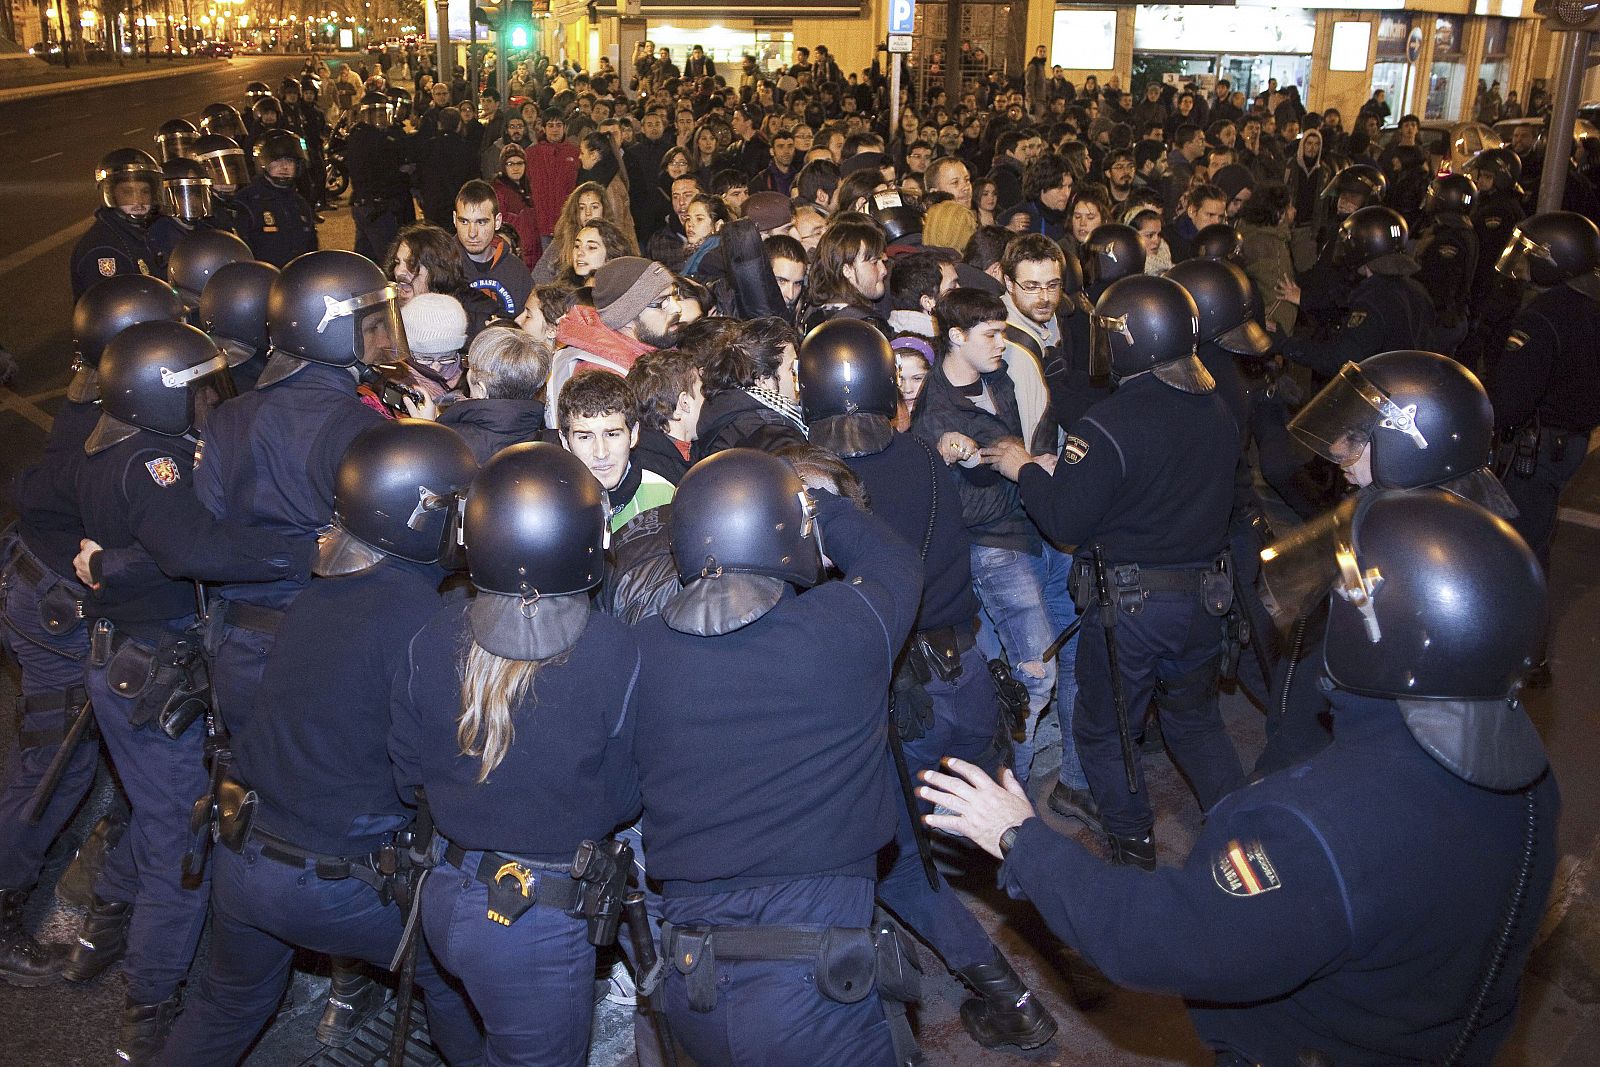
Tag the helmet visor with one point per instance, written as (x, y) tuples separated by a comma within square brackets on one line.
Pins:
[(1520, 253), (176, 145), (226, 167), (1300, 569), (1338, 422), (189, 198), (1102, 328), (379, 115), (379, 335)]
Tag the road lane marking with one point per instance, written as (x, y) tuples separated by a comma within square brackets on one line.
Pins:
[(136, 129), (24, 256), (48, 394), (12, 401), (52, 155)]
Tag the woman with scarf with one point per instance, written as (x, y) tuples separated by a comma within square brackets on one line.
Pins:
[(702, 225), (515, 201)]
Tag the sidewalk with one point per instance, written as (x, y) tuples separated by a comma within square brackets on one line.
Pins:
[(54, 80)]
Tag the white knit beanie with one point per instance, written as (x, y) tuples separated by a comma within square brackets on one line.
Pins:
[(435, 324)]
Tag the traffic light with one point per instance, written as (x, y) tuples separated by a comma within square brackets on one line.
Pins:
[(487, 14), (519, 23)]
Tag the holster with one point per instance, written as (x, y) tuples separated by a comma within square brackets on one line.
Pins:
[(1081, 585), (940, 650), (60, 610), (847, 964), (235, 810), (1216, 587), (602, 872), (899, 972), (696, 959), (170, 685), (62, 706), (1012, 693)]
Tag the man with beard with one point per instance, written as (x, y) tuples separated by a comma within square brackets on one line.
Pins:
[(635, 311), (779, 174), (1122, 174)]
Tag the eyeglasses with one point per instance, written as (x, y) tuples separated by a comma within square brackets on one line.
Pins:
[(1040, 287)]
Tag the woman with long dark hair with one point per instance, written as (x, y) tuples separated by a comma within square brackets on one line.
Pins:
[(515, 201)]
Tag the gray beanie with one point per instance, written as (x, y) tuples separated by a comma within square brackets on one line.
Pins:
[(625, 285)]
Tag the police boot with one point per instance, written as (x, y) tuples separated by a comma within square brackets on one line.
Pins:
[(76, 884), (24, 961), (101, 942), (143, 1029), (353, 998), (1070, 803), (1005, 1012), (1137, 852)]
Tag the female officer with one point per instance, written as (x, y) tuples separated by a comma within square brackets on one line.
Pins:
[(304, 870), (514, 716)]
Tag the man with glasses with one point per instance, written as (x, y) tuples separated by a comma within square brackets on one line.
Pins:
[(1121, 178), (636, 310)]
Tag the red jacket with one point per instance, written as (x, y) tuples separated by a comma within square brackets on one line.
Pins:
[(519, 214), (552, 175)]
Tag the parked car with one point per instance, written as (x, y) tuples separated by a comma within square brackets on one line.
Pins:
[(1451, 143), (218, 50)]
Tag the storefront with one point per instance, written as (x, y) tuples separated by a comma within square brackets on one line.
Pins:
[(1246, 45), (1447, 73)]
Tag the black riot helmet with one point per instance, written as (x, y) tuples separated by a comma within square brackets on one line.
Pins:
[(1222, 293), (280, 144), (1217, 241), (1148, 323), (1552, 248), (396, 494), (743, 529), (901, 222), (534, 523), (233, 308), (333, 307), (847, 387), (1499, 168), (130, 165), (1426, 418), (1112, 251), (257, 90), (263, 107), (287, 87), (175, 139), (224, 161), (1374, 237), (198, 256), (152, 376), (1363, 183), (401, 101), (222, 120), (1450, 194), (310, 88), (185, 189), (110, 306), (375, 109)]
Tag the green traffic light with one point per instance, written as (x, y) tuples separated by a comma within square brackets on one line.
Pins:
[(519, 37)]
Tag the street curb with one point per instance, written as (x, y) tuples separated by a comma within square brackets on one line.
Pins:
[(31, 92)]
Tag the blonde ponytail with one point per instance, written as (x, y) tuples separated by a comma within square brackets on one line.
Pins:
[(491, 687)]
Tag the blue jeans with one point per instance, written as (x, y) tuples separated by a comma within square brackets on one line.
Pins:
[(1007, 582), (50, 665), (768, 1012), (261, 910), (163, 778), (532, 982)]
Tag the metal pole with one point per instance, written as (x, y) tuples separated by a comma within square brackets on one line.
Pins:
[(443, 44), (1563, 112), (894, 94)]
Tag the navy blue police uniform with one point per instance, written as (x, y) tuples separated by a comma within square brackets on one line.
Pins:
[(380, 194), (136, 503), (1148, 475), (567, 777), (1545, 386), (1317, 927), (166, 233), (768, 796), (1387, 313), (1447, 252), (307, 875), (269, 459), (276, 223), (113, 246)]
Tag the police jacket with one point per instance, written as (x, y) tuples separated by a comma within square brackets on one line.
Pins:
[(46, 494), (1148, 473), (138, 505), (568, 775), (277, 223), (990, 505), (1387, 313), (374, 157), (324, 779), (1066, 375), (1309, 918), (1550, 365), (1447, 251), (1495, 216), (488, 425), (112, 246), (913, 491), (270, 457), (761, 751)]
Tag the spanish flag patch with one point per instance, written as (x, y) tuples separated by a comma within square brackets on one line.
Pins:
[(1243, 870)]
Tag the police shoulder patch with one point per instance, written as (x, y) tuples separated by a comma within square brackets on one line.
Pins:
[(1447, 251), (108, 267), (1356, 319), (164, 471), (1243, 870), (1516, 340), (1492, 223), (1074, 449)]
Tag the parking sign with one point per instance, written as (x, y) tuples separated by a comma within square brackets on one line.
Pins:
[(902, 16)]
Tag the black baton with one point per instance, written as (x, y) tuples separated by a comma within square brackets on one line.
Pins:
[(648, 962), (908, 793), (1108, 622), (58, 763)]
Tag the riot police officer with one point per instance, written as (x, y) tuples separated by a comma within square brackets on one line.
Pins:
[(768, 792), (1545, 382), (311, 861), (1447, 256), (515, 715), (944, 701), (275, 220), (1311, 922), (1388, 310), (44, 626), (175, 139), (199, 255), (1217, 241), (222, 120), (119, 240), (187, 206), (271, 456), (1113, 251), (1326, 283), (380, 195), (233, 310), (1144, 488), (229, 170), (313, 126), (1399, 420), (144, 678), (1498, 174)]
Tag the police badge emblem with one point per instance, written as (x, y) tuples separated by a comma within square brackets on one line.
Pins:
[(1244, 870), (164, 471), (108, 267), (1074, 449), (1356, 319)]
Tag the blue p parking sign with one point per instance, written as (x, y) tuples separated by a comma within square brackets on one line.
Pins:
[(902, 16)]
